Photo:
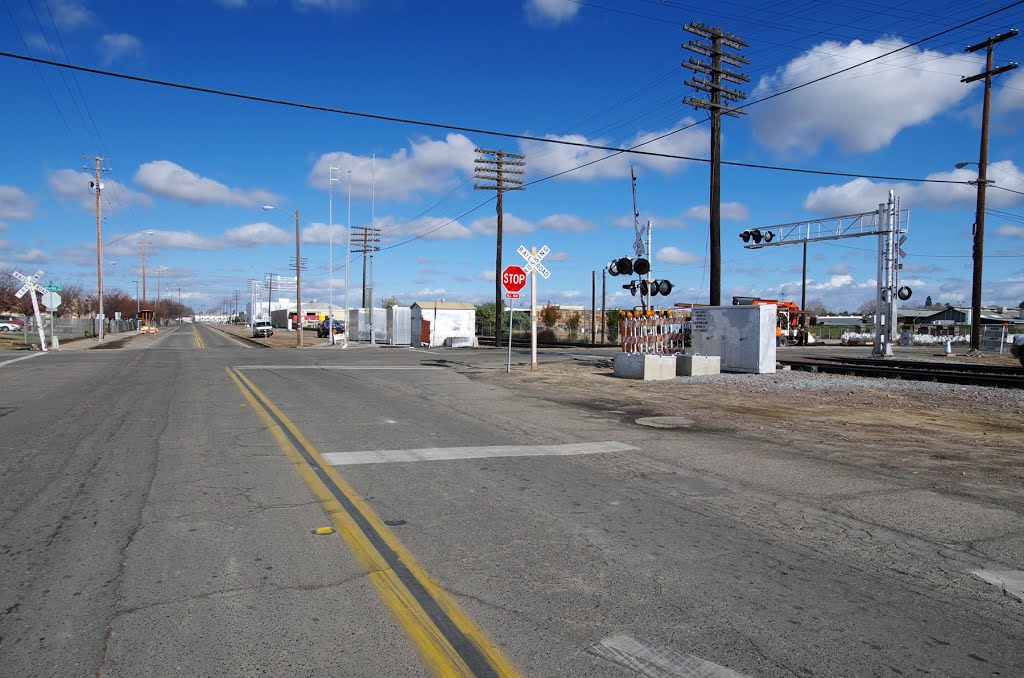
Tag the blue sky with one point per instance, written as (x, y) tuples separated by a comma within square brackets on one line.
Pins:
[(195, 168)]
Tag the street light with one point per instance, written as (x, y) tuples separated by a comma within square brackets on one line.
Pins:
[(978, 253), (99, 263), (298, 273), (330, 254)]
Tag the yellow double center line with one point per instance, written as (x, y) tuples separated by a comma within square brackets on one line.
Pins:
[(449, 641), (195, 330)]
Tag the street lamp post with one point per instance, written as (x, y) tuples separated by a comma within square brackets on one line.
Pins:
[(348, 250), (138, 304), (298, 274), (330, 256)]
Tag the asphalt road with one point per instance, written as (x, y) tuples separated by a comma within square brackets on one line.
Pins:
[(158, 502)]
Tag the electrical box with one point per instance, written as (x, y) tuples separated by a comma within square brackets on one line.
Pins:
[(744, 336)]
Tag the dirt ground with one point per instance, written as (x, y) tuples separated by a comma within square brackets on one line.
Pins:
[(965, 434)]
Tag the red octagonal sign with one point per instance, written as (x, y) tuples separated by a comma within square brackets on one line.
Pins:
[(513, 278)]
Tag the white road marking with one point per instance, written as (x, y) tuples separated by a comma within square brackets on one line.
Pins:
[(445, 453), (1011, 581), (24, 357), (656, 661), (334, 367)]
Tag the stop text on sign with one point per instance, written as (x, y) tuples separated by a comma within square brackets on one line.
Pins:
[(513, 278)]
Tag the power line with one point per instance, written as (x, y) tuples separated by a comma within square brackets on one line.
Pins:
[(473, 130)]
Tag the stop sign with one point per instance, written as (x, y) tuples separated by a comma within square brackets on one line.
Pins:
[(513, 278)]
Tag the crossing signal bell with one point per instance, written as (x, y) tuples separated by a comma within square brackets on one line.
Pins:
[(757, 236)]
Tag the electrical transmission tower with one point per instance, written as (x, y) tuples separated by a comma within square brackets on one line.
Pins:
[(502, 172), (979, 218), (714, 50), (364, 239)]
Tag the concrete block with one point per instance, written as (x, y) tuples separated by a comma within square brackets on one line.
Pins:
[(698, 365), (643, 366), (460, 342)]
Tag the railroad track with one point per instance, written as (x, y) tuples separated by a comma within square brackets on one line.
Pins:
[(917, 370)]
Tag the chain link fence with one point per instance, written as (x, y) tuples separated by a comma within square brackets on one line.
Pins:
[(66, 329)]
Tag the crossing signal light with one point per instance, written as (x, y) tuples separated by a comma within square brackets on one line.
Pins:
[(641, 266), (623, 266), (757, 236), (644, 288)]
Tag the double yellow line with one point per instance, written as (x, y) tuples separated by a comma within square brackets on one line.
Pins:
[(449, 641), (195, 330)]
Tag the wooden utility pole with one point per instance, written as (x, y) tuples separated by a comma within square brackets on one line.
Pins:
[(97, 185), (718, 41), (365, 237), (494, 167), (979, 216)]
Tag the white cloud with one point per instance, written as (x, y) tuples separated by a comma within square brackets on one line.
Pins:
[(839, 269), (862, 110), (1008, 99), (567, 223), (487, 274), (509, 224), (320, 234), (169, 180), (660, 222), (730, 211), (331, 5), (428, 165), (114, 46), (558, 256), (864, 195), (258, 234), (674, 255), (1008, 231), (68, 184), (70, 13), (438, 228), (14, 204), (544, 158), (32, 256), (550, 12)]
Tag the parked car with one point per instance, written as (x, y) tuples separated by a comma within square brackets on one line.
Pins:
[(262, 328), (12, 320), (323, 331), (10, 327)]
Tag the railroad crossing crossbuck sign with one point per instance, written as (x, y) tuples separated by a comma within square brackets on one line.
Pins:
[(30, 283), (533, 261)]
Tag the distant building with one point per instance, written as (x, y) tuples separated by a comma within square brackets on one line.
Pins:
[(440, 323)]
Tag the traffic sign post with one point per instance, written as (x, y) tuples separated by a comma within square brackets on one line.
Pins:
[(533, 267), (513, 279), (32, 286), (51, 300)]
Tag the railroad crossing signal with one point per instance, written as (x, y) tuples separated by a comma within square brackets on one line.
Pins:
[(533, 261), (513, 279)]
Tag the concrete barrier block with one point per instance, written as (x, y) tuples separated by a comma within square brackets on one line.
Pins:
[(698, 365), (646, 367)]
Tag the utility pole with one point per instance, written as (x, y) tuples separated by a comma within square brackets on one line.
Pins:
[(97, 185), (979, 217), (300, 264), (604, 316), (366, 239), (714, 51), (494, 167)]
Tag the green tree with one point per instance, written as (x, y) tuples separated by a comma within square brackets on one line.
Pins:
[(549, 315), (573, 323), (928, 301), (485, 319), (390, 301), (613, 318)]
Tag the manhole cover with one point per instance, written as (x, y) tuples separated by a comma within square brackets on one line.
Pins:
[(665, 422)]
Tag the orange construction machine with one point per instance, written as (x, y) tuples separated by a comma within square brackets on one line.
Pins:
[(787, 322)]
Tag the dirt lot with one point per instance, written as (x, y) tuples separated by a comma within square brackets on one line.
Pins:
[(968, 435)]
